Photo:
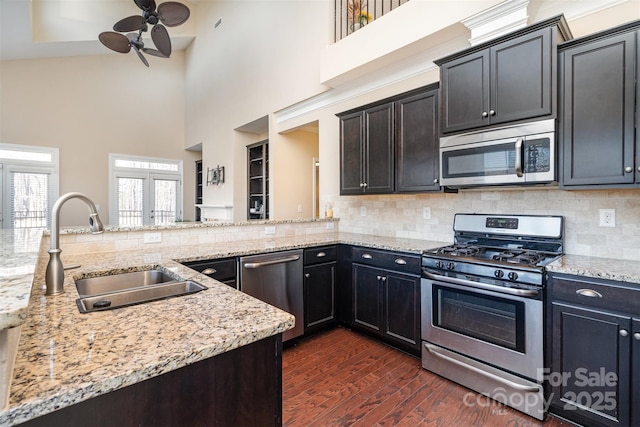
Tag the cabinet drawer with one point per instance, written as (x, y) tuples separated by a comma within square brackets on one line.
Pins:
[(596, 293), (404, 263), (320, 255), (221, 270)]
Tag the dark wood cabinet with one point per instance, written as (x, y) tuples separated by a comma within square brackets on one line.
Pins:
[(367, 158), (391, 146), (593, 350), (223, 270), (598, 90), (386, 303), (417, 142), (512, 78), (319, 287)]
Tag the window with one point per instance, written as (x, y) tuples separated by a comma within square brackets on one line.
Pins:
[(144, 191), (28, 189)]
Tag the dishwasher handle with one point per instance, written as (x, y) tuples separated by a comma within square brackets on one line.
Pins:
[(271, 262)]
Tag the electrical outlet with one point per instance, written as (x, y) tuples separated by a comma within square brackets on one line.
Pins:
[(329, 226), (152, 258), (270, 229), (607, 217), (363, 211), (426, 213), (299, 208), (152, 237)]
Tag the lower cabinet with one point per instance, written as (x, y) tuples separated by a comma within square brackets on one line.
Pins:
[(319, 287), (386, 303), (594, 358)]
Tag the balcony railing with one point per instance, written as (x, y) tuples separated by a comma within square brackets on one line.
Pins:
[(351, 15)]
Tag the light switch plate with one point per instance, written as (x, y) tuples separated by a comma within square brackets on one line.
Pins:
[(426, 213), (363, 211), (152, 237), (270, 229)]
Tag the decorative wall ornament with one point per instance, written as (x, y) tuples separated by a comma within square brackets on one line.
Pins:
[(215, 176)]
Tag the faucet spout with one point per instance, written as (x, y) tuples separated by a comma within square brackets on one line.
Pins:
[(54, 276)]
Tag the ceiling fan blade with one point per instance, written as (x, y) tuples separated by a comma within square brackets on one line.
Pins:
[(172, 13), (149, 5), (153, 52), (131, 23), (142, 58), (115, 41), (161, 39)]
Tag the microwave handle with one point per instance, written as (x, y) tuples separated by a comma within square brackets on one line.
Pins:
[(519, 142)]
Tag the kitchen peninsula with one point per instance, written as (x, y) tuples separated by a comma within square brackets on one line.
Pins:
[(66, 359)]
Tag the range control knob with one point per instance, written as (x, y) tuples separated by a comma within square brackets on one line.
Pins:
[(451, 266), (513, 276), (439, 264), (498, 273)]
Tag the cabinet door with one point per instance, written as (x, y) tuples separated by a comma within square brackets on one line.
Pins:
[(591, 351), (417, 143), (379, 156), (521, 78), (367, 297), (351, 155), (319, 294), (402, 308), (635, 372), (597, 120), (465, 92)]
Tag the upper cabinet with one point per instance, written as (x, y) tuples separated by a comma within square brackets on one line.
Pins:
[(598, 96), (512, 78), (366, 152), (391, 146), (417, 166)]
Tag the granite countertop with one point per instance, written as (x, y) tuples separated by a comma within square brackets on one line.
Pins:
[(65, 357), (600, 268), (19, 254)]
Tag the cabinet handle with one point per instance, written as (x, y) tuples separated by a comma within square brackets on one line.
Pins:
[(400, 261), (384, 279), (638, 168), (307, 275), (208, 271), (435, 181), (379, 277), (364, 185), (485, 114), (492, 112), (321, 254), (637, 336), (623, 332), (366, 256), (589, 293), (361, 184), (628, 169)]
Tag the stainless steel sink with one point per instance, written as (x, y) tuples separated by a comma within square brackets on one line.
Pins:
[(121, 281), (125, 289), (137, 296)]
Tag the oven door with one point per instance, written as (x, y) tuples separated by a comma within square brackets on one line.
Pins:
[(493, 327), (516, 160)]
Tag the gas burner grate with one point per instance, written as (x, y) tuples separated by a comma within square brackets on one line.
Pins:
[(460, 250), (519, 257)]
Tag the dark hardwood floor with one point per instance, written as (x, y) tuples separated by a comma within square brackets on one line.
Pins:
[(342, 378)]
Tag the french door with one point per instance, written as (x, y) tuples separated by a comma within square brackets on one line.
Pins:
[(147, 199)]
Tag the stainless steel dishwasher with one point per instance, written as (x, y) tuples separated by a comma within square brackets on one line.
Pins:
[(276, 279)]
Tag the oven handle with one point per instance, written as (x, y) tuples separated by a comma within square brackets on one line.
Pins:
[(434, 350), (486, 286), (518, 164)]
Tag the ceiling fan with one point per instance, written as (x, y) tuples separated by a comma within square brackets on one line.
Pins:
[(170, 13)]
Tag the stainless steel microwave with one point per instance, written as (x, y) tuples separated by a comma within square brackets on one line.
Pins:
[(515, 154)]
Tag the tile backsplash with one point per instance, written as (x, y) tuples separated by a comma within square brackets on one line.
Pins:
[(430, 216)]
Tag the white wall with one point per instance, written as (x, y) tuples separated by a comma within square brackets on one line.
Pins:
[(92, 106)]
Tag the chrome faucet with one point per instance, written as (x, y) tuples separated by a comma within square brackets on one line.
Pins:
[(54, 277)]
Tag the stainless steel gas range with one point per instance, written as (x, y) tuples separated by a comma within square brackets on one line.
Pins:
[(482, 306)]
